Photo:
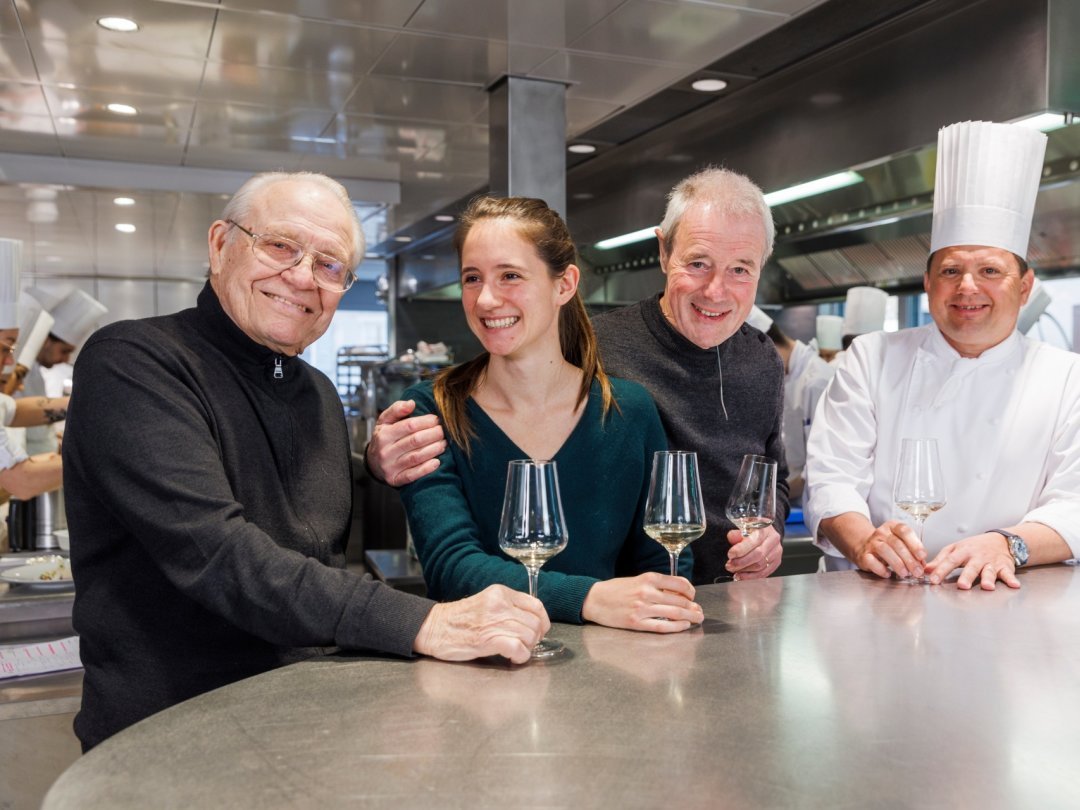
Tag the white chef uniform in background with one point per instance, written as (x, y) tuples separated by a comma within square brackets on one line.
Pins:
[(805, 377), (1007, 422), (75, 317)]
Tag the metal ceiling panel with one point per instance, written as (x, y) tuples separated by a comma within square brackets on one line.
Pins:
[(282, 87), (551, 24), (765, 6), (19, 98), (176, 29), (278, 41), (15, 61), (392, 13), (685, 33), (113, 71), (616, 81), (443, 59), (417, 101), (161, 118), (583, 114)]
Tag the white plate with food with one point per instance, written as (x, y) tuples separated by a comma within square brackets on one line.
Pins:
[(51, 572)]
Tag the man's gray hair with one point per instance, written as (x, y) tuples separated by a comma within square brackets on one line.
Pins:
[(238, 209), (729, 191)]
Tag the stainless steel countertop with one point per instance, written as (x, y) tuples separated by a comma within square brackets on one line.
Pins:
[(821, 690)]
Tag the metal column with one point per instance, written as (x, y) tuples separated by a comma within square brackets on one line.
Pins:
[(527, 132)]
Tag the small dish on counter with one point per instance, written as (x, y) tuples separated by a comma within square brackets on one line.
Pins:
[(46, 572)]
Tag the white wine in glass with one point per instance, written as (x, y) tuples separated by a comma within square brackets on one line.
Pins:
[(752, 504), (533, 529), (674, 511), (919, 489)]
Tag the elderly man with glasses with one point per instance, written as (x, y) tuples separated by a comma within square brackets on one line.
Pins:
[(208, 484)]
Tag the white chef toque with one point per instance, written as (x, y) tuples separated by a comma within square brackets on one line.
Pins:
[(829, 331), (34, 327), (76, 317), (759, 320), (864, 310), (985, 186), (10, 270)]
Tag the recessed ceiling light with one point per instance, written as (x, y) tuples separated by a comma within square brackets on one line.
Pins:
[(581, 148), (444, 218), (121, 109), (709, 85), (402, 238), (123, 201), (121, 24), (125, 227)]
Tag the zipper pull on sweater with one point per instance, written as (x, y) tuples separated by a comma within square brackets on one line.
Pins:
[(279, 372)]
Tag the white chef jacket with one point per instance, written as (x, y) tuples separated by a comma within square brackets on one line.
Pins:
[(1007, 425), (11, 453), (804, 383), (40, 438)]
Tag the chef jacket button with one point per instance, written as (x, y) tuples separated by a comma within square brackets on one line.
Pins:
[(994, 420), (980, 475), (961, 529)]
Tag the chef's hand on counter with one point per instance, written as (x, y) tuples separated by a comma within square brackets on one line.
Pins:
[(986, 557), (756, 556), (654, 602), (404, 448), (891, 547), (496, 621)]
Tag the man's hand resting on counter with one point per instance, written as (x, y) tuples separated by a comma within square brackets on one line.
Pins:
[(496, 621)]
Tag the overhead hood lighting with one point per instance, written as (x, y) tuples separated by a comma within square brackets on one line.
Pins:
[(809, 189), (1045, 122), (627, 238)]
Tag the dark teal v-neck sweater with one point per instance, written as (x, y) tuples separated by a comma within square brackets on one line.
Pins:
[(604, 469)]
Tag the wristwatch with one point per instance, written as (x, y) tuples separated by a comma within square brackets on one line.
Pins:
[(1017, 547)]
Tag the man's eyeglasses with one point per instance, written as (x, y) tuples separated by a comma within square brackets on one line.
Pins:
[(280, 253), (7, 349)]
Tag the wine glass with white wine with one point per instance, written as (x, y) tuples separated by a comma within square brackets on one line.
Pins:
[(674, 511), (752, 504), (533, 528), (920, 488)]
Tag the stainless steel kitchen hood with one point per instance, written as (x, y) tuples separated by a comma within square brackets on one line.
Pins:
[(873, 103)]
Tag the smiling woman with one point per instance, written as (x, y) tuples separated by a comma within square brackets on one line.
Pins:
[(539, 391)]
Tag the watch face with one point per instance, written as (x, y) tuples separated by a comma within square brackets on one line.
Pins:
[(1019, 550)]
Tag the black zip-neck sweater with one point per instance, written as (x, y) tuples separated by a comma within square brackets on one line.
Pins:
[(208, 495), (638, 343)]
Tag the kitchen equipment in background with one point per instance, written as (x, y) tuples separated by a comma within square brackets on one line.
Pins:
[(32, 524)]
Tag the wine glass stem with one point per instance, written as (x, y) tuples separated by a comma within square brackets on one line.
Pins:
[(674, 555), (533, 574), (921, 523)]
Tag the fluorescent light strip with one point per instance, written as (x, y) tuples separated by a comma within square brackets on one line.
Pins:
[(809, 189), (819, 186), (627, 238)]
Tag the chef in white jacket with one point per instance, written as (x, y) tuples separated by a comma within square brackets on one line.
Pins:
[(1005, 409), (805, 377)]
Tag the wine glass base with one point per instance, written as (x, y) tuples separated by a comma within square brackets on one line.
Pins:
[(923, 580), (547, 648)]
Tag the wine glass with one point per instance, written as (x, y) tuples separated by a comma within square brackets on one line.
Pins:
[(533, 528), (674, 511), (752, 504), (919, 489)]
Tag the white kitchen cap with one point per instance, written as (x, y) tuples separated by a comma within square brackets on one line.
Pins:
[(864, 310), (34, 326), (986, 183), (76, 317), (829, 331), (759, 320), (10, 270)]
